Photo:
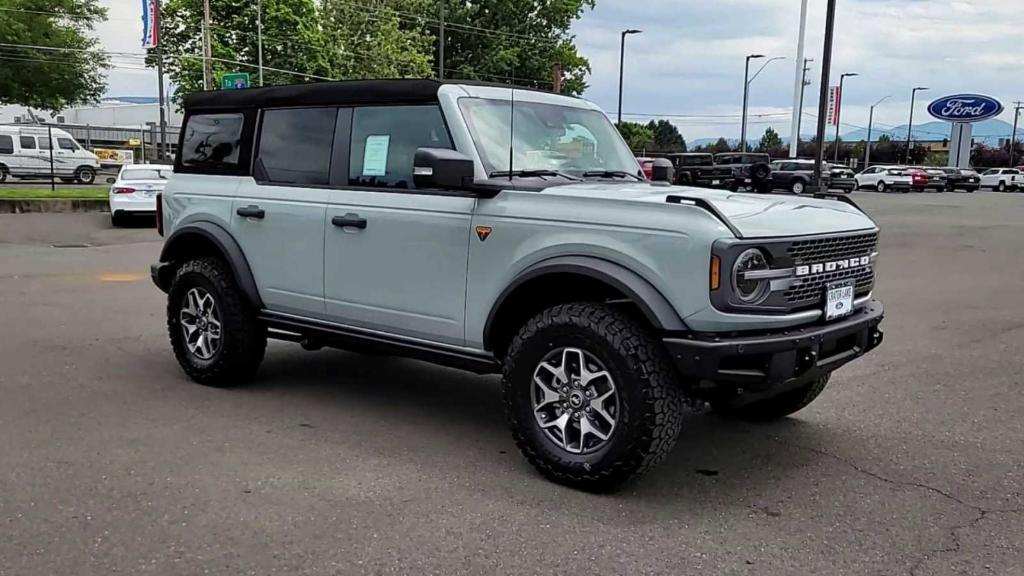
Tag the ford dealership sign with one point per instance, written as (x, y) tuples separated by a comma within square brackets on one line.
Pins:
[(965, 108)]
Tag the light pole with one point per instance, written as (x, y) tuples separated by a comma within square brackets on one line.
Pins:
[(1013, 139), (746, 92), (839, 108), (826, 69), (259, 37), (800, 119), (622, 58), (871, 120), (910, 124)]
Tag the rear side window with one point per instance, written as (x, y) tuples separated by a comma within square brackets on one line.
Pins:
[(27, 142), (6, 144), (385, 139), (212, 141), (66, 144), (295, 146)]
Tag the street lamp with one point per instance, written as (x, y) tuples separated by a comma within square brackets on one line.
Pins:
[(799, 121), (871, 120), (746, 92), (839, 108), (910, 124), (622, 57)]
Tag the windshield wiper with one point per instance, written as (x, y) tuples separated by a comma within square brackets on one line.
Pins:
[(530, 174), (610, 174)]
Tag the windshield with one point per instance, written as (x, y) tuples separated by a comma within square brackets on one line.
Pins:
[(571, 140), (145, 174)]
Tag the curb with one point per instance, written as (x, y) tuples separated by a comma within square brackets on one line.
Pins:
[(18, 206)]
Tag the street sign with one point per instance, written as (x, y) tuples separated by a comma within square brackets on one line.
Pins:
[(134, 142), (834, 102), (234, 80)]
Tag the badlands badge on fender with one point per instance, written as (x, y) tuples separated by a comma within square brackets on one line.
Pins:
[(482, 232)]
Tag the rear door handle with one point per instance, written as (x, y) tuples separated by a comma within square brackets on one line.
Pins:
[(349, 221), (251, 212)]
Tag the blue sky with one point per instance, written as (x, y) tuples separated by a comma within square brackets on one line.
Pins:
[(689, 59)]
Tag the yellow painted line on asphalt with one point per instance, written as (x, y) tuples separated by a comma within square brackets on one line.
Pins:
[(121, 277)]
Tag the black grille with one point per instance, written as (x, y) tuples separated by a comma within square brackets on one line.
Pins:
[(810, 290), (833, 248)]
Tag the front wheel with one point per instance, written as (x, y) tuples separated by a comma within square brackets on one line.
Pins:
[(85, 175), (776, 407), (214, 333), (590, 396), (3, 173)]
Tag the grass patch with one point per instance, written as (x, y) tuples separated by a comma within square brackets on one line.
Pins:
[(62, 192)]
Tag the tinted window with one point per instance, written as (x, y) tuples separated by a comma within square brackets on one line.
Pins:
[(295, 146), (1011, 172), (6, 145), (144, 174), (212, 140), (66, 144), (384, 140), (44, 142), (28, 142)]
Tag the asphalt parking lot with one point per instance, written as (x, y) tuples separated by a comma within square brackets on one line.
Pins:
[(912, 461)]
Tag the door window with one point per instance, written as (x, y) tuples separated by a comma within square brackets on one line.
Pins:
[(385, 139), (27, 142), (295, 146), (6, 144), (66, 144), (212, 140), (44, 142)]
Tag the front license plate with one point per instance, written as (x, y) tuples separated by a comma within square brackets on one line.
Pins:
[(716, 182), (838, 300)]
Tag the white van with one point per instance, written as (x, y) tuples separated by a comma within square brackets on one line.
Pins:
[(25, 152)]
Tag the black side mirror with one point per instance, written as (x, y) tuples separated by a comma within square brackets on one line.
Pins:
[(111, 180), (442, 168), (663, 171)]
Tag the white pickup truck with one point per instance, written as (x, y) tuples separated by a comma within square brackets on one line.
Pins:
[(1002, 179)]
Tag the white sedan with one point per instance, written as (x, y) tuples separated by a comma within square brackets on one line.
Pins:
[(134, 191)]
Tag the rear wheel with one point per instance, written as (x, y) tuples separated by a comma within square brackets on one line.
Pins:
[(3, 173), (776, 407), (798, 187), (117, 220), (590, 396), (880, 186), (214, 333), (1001, 187)]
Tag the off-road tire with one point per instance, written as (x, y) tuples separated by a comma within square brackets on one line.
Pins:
[(776, 407), (760, 172), (85, 175), (243, 339), (650, 399)]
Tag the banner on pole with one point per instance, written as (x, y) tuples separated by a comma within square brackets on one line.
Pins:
[(834, 102), (150, 23)]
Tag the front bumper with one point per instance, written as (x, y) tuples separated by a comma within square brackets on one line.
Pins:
[(779, 359)]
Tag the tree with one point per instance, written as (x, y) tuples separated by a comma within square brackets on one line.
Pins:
[(497, 40), (666, 137), (636, 135), (292, 40), (770, 141), (51, 79), (371, 40)]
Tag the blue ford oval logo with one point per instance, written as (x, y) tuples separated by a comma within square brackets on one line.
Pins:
[(965, 108)]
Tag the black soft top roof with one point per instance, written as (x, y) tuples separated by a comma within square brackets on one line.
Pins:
[(395, 91)]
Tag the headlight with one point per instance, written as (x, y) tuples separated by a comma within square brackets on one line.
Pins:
[(750, 291)]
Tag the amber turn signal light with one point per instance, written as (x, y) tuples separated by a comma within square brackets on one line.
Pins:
[(716, 272)]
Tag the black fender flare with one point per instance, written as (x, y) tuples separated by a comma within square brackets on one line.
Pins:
[(654, 306), (175, 250)]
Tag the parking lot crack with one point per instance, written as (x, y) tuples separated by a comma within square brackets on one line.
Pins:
[(954, 547)]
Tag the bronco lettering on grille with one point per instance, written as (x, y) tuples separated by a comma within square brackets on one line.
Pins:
[(821, 268)]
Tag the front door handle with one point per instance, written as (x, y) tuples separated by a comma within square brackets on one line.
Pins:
[(251, 212), (349, 221)]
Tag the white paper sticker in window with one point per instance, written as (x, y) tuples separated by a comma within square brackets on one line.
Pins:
[(375, 156)]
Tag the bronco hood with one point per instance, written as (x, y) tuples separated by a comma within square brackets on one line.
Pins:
[(752, 215)]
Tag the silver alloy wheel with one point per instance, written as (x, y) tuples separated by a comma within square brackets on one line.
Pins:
[(200, 322), (574, 400), (798, 187)]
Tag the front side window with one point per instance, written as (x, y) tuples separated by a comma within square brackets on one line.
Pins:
[(212, 140), (385, 139), (6, 144), (546, 137), (295, 146), (66, 144), (27, 142)]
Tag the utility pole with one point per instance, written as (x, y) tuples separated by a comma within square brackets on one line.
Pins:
[(440, 38), (259, 38), (1013, 139), (622, 60), (839, 110), (161, 150), (800, 119), (207, 49), (826, 70), (799, 83)]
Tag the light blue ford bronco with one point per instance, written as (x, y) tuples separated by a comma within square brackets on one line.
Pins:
[(505, 231)]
